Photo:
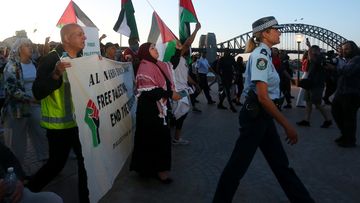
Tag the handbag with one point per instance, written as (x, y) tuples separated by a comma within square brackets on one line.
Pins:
[(305, 83)]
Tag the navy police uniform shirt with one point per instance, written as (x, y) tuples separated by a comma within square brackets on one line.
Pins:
[(259, 67)]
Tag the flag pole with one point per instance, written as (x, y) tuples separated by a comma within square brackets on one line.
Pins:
[(150, 5), (120, 40)]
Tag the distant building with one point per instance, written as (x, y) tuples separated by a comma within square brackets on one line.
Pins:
[(21, 33), (209, 42), (11, 40)]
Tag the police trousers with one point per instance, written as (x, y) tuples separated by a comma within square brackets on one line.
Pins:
[(203, 82), (259, 132)]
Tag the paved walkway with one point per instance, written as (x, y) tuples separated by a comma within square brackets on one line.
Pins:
[(330, 173)]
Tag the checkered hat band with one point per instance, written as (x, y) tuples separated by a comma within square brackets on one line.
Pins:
[(265, 25)]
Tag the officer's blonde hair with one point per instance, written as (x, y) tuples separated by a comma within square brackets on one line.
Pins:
[(253, 42)]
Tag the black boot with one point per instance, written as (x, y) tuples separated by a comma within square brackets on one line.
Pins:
[(221, 106), (326, 124)]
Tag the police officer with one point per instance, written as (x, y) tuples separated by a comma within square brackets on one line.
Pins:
[(257, 128)]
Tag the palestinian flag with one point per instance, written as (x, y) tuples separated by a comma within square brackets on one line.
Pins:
[(73, 14), (126, 23), (162, 36), (187, 15)]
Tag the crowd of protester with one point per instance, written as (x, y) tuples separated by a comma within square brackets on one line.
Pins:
[(167, 91)]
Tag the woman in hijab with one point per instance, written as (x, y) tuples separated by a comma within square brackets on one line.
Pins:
[(152, 144)]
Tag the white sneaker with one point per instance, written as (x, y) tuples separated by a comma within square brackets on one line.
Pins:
[(180, 141)]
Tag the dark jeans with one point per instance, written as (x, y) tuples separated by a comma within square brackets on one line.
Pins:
[(60, 144), (225, 93), (194, 96), (344, 109), (285, 88), (330, 88), (203, 82), (259, 132), (179, 122), (2, 100), (240, 87)]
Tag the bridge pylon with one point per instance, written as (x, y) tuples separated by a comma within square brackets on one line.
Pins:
[(208, 42)]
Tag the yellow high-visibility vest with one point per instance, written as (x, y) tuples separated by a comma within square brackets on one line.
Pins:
[(57, 111)]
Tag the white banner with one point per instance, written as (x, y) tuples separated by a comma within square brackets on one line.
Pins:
[(92, 44), (104, 101)]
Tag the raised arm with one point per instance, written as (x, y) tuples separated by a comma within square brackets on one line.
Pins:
[(185, 47), (46, 49)]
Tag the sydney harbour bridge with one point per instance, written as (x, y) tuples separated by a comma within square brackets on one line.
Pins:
[(292, 40)]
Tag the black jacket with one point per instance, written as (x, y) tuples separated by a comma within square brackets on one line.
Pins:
[(44, 84), (349, 75)]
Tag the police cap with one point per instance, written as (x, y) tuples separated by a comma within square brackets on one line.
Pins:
[(264, 23)]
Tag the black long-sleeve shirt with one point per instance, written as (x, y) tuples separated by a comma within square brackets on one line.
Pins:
[(227, 65), (44, 84), (349, 75)]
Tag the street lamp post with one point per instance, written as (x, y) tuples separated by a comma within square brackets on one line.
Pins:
[(299, 39)]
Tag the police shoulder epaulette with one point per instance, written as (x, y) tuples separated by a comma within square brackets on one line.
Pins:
[(263, 51)]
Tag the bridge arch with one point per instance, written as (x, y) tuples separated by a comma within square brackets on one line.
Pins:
[(328, 37)]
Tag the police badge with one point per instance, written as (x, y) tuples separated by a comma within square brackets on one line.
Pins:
[(261, 64)]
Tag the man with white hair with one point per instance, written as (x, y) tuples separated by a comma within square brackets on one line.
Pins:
[(52, 87)]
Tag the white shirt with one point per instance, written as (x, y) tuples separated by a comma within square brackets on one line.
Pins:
[(181, 73)]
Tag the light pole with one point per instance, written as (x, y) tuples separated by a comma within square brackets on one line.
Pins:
[(299, 39)]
